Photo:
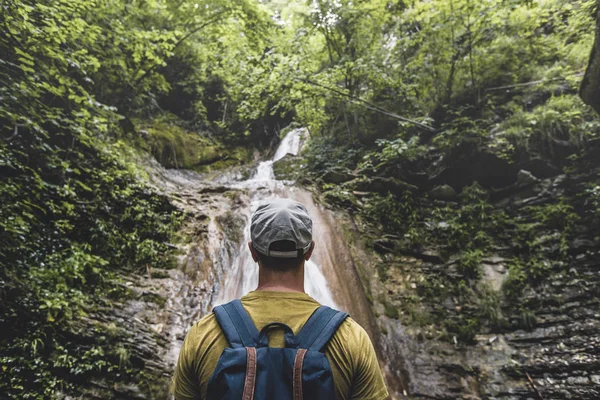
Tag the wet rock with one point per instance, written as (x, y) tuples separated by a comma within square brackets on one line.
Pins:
[(494, 275), (430, 256), (526, 186), (213, 189), (526, 178), (443, 193), (360, 194), (384, 245), (289, 167)]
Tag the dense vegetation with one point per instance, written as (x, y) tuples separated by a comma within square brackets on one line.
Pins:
[(76, 77), (386, 88), (427, 121)]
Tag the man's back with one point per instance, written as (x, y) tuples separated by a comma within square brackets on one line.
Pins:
[(350, 352)]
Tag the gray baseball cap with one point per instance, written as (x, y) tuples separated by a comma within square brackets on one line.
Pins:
[(281, 219)]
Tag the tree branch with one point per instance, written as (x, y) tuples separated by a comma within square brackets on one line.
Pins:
[(214, 19), (371, 106), (15, 132), (533, 83)]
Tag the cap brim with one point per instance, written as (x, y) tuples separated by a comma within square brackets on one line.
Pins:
[(283, 254)]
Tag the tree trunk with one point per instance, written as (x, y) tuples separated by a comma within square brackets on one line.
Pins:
[(590, 86)]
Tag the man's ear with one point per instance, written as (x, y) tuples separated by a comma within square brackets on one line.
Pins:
[(309, 252), (253, 251)]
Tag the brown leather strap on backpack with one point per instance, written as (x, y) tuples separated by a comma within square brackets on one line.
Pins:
[(298, 362), (250, 381)]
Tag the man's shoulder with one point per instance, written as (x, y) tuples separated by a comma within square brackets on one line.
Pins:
[(352, 331), (350, 339), (205, 329)]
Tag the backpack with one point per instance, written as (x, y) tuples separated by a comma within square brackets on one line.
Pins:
[(250, 369)]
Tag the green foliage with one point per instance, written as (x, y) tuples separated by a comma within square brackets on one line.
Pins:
[(594, 195), (562, 118), (557, 219), (462, 226), (72, 214), (393, 152), (66, 231), (466, 225), (399, 217), (469, 264), (490, 308), (390, 311), (326, 152), (175, 147), (465, 329), (459, 65), (551, 233), (516, 279), (526, 319)]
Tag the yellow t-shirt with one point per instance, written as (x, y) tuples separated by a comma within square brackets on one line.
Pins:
[(356, 373)]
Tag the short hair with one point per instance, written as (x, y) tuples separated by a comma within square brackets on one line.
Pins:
[(278, 263)]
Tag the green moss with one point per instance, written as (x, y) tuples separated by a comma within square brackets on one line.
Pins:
[(464, 329), (230, 157), (382, 271), (418, 316), (489, 308), (383, 329), (390, 311), (175, 147), (155, 298), (469, 264), (526, 319), (289, 168)]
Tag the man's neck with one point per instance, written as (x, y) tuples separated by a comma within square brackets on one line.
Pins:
[(277, 281)]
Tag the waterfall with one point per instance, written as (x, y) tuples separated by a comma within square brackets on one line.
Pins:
[(242, 277)]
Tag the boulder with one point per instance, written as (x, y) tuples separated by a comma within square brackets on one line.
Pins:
[(525, 187), (468, 165), (443, 192), (525, 178), (539, 168), (289, 167)]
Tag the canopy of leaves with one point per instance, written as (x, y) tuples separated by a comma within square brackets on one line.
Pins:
[(73, 214)]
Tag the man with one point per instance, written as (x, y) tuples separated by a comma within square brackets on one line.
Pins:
[(281, 242)]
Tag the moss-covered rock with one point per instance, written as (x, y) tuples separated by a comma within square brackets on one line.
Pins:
[(289, 167), (176, 147)]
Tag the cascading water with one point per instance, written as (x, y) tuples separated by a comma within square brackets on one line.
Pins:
[(243, 275)]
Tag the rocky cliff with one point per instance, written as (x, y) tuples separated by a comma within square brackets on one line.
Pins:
[(483, 274)]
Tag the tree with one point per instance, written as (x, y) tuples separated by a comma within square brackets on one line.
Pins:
[(590, 86)]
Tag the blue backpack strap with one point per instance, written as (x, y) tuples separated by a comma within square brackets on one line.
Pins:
[(319, 328), (236, 324)]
